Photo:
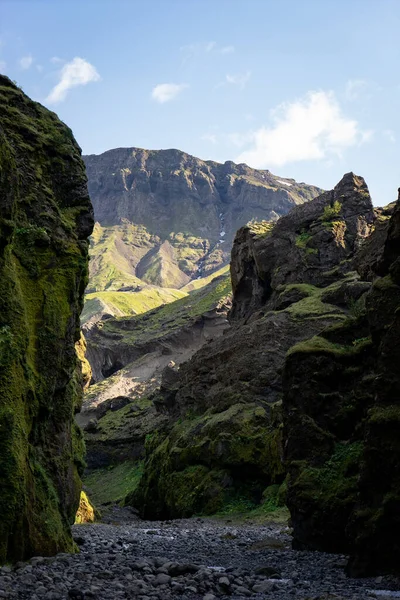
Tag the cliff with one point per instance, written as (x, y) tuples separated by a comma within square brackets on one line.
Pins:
[(342, 418), (290, 282), (46, 217)]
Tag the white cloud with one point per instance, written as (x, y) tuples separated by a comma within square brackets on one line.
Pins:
[(56, 60), (26, 62), (365, 136), (389, 134), (191, 51), (240, 139), (239, 79), (312, 128), (77, 72), (164, 92), (39, 68), (210, 137), (355, 88)]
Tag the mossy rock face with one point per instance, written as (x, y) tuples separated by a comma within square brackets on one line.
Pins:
[(341, 420), (46, 217), (207, 459), (325, 400)]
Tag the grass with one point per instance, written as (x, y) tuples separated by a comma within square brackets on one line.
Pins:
[(113, 484), (241, 508), (260, 229), (196, 284), (128, 303), (330, 212), (165, 319)]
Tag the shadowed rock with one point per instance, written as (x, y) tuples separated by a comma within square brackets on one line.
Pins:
[(45, 219)]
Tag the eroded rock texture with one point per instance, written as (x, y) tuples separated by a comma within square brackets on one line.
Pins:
[(341, 413), (290, 282), (45, 219)]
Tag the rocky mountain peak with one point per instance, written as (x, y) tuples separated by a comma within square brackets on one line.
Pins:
[(304, 245)]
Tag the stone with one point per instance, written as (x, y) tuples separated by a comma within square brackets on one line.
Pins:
[(263, 587), (162, 579)]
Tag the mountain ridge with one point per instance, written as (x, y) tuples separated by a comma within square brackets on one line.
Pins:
[(166, 218)]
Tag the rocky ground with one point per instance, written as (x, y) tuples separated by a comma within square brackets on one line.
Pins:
[(194, 559)]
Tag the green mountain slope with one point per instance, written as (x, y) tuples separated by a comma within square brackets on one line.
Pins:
[(166, 219)]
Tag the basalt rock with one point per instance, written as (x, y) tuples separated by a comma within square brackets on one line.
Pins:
[(313, 244), (290, 282), (46, 217), (341, 415)]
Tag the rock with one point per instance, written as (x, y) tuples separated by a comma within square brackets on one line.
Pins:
[(224, 582), (162, 579), (265, 587), (243, 591), (43, 270), (340, 414), (268, 571), (175, 570), (224, 403), (76, 594)]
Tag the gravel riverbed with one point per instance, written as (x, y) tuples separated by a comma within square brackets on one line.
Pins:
[(193, 559)]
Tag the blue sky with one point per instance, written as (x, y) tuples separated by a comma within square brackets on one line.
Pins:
[(309, 89)]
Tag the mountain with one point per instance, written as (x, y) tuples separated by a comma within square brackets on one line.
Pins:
[(166, 219), (45, 220)]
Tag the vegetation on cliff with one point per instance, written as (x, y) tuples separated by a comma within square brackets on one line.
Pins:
[(224, 439), (46, 217)]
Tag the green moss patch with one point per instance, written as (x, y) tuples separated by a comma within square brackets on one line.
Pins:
[(112, 484)]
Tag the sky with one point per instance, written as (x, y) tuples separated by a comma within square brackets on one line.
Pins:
[(308, 89)]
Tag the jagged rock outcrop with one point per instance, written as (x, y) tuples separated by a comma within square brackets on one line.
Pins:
[(313, 245), (341, 406), (45, 219), (166, 218), (290, 282)]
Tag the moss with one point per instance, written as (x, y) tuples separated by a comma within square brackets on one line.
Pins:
[(114, 483), (126, 304), (336, 481), (43, 269), (384, 283), (302, 239), (203, 281), (169, 317), (384, 414), (242, 444), (318, 344), (306, 288), (312, 307)]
